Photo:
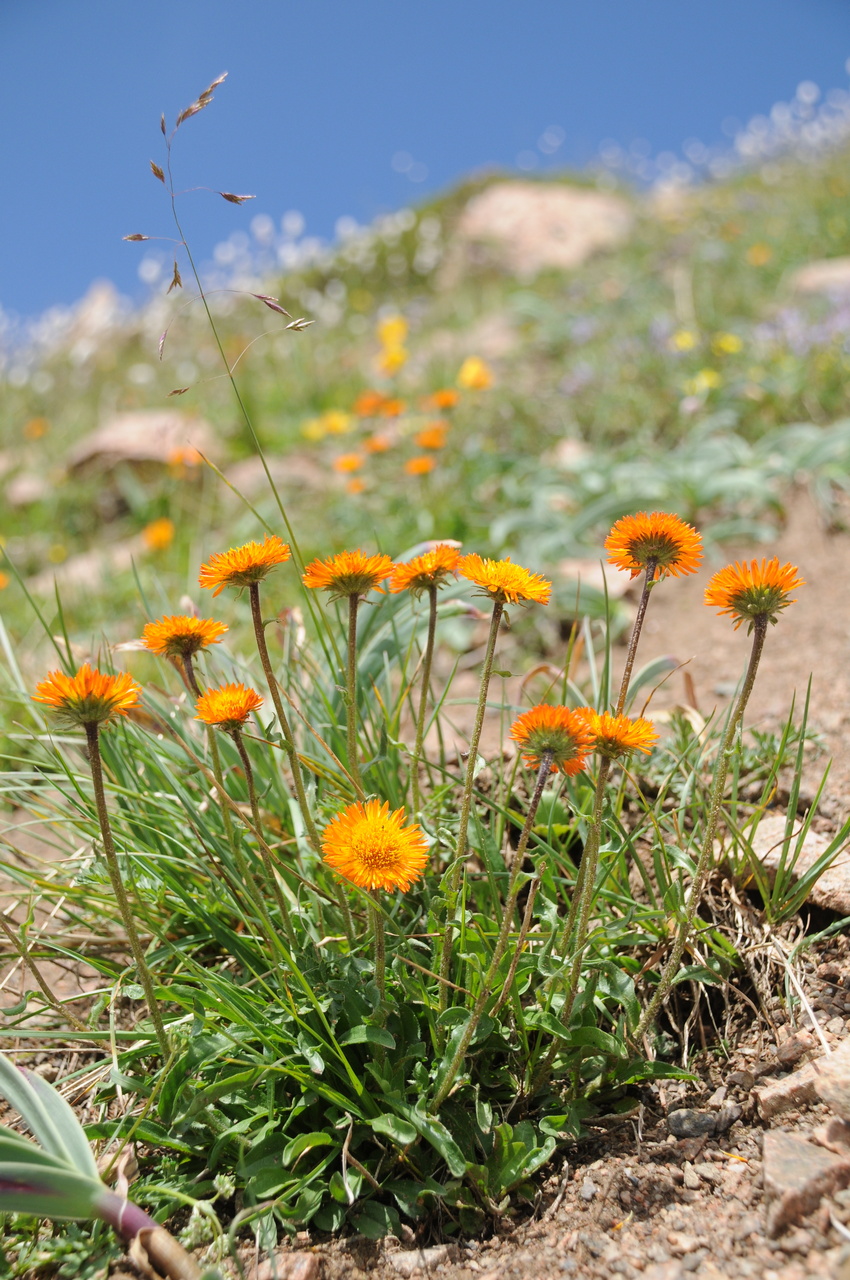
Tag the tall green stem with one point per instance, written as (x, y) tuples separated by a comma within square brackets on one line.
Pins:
[(721, 769), (286, 731), (427, 660), (502, 939), (351, 698), (118, 889), (271, 875), (443, 958), (651, 566)]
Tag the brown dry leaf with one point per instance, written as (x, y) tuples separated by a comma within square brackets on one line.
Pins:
[(233, 198), (176, 279), (137, 235), (157, 172), (271, 303)]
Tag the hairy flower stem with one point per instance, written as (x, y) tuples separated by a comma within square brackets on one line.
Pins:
[(96, 765), (351, 698), (377, 922), (264, 849), (718, 786), (501, 941), (286, 730), (651, 566), (427, 659), (443, 959)]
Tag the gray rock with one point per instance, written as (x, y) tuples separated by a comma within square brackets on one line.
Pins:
[(797, 1175), (685, 1123)]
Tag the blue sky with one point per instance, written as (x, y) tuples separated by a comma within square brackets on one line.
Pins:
[(324, 95)]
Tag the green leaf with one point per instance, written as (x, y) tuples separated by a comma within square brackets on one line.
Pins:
[(306, 1142), (590, 1038), (48, 1116), (394, 1127), (436, 1133), (365, 1034), (30, 1187), (377, 1220)]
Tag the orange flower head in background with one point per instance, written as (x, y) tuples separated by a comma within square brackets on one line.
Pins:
[(376, 444), (348, 462), (419, 466), (227, 707), (368, 403), (240, 566), (559, 730), (392, 408), (750, 591), (89, 697), (350, 573), (182, 636), (507, 583), (159, 534), (661, 539), (373, 849), (444, 398), (615, 736), (355, 485), (423, 572), (474, 374), (433, 436)]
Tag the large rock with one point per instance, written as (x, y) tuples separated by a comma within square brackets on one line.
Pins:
[(144, 438), (525, 227), (797, 1175), (826, 275)]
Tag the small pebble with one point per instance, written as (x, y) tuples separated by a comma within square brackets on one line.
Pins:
[(741, 1079), (835, 1025), (588, 1189), (685, 1123), (691, 1177)]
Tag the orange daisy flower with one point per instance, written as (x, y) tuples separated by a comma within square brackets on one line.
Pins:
[(368, 403), (505, 582), (422, 572), (89, 697), (747, 592), (615, 736), (240, 566), (377, 444), (419, 466), (661, 539), (355, 485), (347, 462), (227, 707), (350, 573), (182, 636), (560, 730), (444, 398), (373, 849), (392, 408), (433, 436), (159, 534)]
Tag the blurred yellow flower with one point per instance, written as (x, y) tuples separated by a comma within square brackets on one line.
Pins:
[(392, 331), (683, 340), (313, 429), (347, 462), (392, 359), (474, 374), (705, 380), (758, 255), (726, 344), (336, 423), (36, 428), (159, 534)]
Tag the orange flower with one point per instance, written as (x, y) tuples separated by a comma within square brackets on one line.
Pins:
[(475, 375), (350, 573), (36, 428), (182, 636), (227, 707), (376, 444), (392, 408), (89, 697), (615, 736), (433, 436), (368, 403), (159, 534), (184, 456), (747, 592), (355, 485), (506, 582), (444, 398), (373, 849), (419, 466), (660, 539), (240, 566), (564, 733), (425, 571), (348, 462)]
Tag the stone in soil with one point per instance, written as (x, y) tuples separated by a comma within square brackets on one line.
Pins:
[(797, 1175), (686, 1123), (832, 1083)]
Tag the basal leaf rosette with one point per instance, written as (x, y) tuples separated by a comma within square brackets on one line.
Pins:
[(90, 697), (658, 540), (618, 736), (431, 569), (242, 566), (503, 581), (747, 592), (350, 573), (559, 731), (373, 848), (181, 636)]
